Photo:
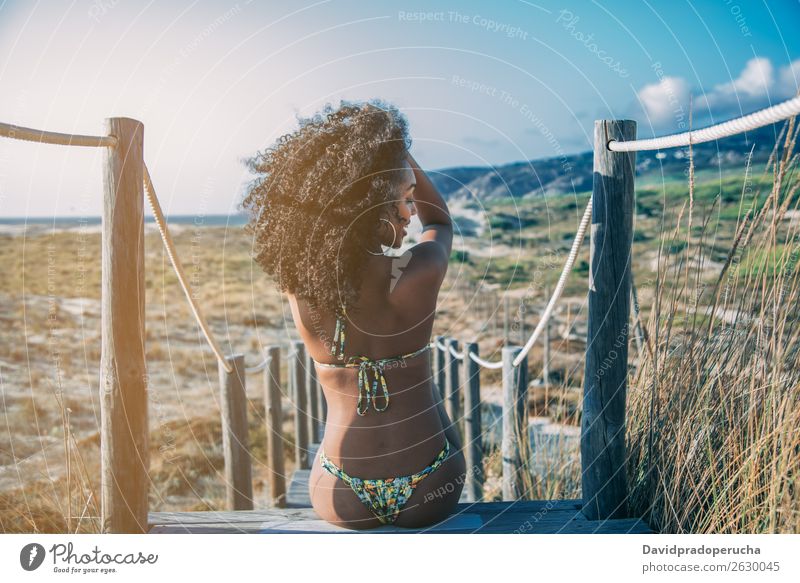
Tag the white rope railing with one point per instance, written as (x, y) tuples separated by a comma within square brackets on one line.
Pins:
[(456, 354), (755, 120), (176, 264), (258, 367), (548, 311), (485, 363), (775, 113), (14, 132), (562, 281)]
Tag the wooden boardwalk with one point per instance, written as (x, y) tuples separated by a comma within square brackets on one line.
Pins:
[(514, 517)]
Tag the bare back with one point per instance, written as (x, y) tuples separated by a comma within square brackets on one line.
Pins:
[(391, 319)]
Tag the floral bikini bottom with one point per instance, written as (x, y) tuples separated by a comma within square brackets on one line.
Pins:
[(385, 497)]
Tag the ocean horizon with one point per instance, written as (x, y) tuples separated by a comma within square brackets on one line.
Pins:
[(210, 220)]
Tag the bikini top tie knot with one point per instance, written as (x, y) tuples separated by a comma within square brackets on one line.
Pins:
[(365, 391), (367, 366)]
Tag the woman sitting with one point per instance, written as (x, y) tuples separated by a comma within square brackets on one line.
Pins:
[(328, 198)]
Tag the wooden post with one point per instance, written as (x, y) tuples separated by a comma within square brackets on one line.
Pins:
[(472, 422), (452, 401), (313, 408), (505, 320), (514, 447), (495, 308), (124, 433), (636, 319), (546, 352), (603, 472), (298, 382), (276, 468), (439, 365), (235, 446)]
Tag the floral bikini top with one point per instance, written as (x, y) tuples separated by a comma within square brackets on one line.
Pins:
[(365, 365)]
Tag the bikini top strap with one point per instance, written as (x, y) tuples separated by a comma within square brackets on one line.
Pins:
[(338, 335)]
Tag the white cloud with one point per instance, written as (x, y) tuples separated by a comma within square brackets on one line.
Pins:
[(751, 89), (665, 100), (665, 105), (789, 80)]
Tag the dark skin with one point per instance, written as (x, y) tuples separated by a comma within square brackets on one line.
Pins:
[(395, 316)]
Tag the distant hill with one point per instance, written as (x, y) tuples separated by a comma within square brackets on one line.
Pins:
[(559, 175)]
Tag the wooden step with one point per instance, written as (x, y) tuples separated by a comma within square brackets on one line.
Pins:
[(517, 517)]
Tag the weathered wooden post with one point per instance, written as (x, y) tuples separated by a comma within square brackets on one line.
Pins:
[(439, 365), (604, 483), (313, 394), (124, 433), (506, 339), (514, 447), (452, 401), (495, 307), (636, 319), (473, 450), (546, 351), (235, 446), (297, 379), (276, 468)]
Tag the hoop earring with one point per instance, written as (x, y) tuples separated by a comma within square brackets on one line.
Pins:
[(395, 237)]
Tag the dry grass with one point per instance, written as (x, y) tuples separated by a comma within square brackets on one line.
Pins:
[(713, 409), (713, 403)]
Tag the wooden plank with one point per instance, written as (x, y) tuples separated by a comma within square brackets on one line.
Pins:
[(512, 517), (515, 445), (124, 442), (461, 523), (452, 400), (297, 379), (276, 472), (298, 496), (235, 446), (603, 455), (307, 513), (472, 424), (228, 516)]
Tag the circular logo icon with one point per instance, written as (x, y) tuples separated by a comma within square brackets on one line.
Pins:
[(31, 556)]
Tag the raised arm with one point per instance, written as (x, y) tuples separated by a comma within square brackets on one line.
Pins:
[(432, 210), (424, 273)]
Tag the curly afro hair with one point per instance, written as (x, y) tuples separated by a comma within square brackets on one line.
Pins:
[(316, 205)]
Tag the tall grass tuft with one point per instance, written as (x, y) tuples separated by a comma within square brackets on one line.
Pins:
[(714, 403)]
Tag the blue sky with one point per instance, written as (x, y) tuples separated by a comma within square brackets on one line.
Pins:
[(482, 83)]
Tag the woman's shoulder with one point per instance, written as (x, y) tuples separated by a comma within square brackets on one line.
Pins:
[(420, 276)]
